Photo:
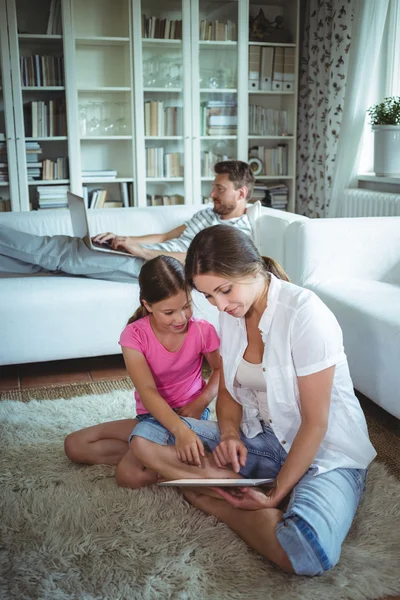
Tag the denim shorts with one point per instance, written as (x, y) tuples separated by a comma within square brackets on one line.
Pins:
[(153, 424), (321, 507)]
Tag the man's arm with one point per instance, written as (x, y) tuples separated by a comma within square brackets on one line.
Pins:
[(155, 238)]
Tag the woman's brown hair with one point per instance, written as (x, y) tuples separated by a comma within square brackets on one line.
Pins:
[(159, 279), (228, 252)]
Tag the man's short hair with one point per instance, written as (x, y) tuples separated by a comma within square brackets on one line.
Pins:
[(239, 173)]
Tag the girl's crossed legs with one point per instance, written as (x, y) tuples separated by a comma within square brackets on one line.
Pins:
[(107, 444)]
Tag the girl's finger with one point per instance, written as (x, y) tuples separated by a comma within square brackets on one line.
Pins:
[(242, 455), (195, 456), (233, 459), (200, 446)]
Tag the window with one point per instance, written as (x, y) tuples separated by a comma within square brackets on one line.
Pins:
[(386, 82)]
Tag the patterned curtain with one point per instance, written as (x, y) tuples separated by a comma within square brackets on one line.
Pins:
[(323, 77)]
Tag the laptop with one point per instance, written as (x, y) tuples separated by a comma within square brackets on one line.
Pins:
[(80, 225)]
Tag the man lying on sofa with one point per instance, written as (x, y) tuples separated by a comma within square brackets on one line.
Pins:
[(26, 253)]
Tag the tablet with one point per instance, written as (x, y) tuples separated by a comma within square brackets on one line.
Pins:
[(217, 482)]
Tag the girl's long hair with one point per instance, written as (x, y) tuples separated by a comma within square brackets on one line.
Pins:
[(159, 279), (228, 252)]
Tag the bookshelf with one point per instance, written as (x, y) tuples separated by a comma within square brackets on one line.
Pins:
[(140, 99)]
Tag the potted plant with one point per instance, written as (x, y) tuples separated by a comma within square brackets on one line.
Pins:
[(385, 121)]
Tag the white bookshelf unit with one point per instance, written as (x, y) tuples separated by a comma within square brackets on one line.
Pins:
[(140, 99)]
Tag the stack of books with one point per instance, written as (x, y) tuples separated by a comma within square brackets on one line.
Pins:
[(163, 29), (274, 195), (267, 121), (279, 194), (95, 175), (159, 200), (42, 71), (218, 117), (160, 164), (34, 166), (160, 121), (220, 31), (3, 159), (45, 119), (275, 160), (52, 196)]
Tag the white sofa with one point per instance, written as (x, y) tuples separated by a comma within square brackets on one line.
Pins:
[(50, 317), (354, 266)]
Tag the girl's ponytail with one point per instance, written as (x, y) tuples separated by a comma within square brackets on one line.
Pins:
[(275, 268), (138, 314)]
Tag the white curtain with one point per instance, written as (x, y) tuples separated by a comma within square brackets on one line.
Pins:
[(364, 87)]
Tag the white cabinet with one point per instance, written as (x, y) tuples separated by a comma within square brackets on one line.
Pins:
[(150, 96)]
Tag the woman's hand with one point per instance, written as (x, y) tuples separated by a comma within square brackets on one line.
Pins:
[(249, 498), (194, 409), (230, 451), (189, 447)]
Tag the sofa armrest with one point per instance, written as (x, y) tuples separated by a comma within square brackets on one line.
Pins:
[(272, 226), (344, 248)]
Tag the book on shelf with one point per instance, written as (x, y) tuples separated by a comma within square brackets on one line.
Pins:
[(54, 21), (220, 31), (278, 67), (42, 71), (156, 28), (113, 204), (275, 160), (266, 66), (162, 121), (5, 205), (267, 121), (164, 200), (45, 119), (97, 198)]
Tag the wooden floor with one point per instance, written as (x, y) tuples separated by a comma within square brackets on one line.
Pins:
[(59, 372)]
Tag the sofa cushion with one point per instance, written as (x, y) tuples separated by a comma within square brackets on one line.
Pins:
[(369, 315)]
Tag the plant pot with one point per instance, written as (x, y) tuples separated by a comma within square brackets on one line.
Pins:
[(386, 150)]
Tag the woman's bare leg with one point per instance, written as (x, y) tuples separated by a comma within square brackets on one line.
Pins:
[(103, 444), (256, 527)]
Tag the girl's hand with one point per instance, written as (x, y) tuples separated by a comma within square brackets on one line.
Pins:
[(194, 409), (249, 498), (189, 447), (231, 451)]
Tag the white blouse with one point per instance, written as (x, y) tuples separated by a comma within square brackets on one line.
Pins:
[(301, 336)]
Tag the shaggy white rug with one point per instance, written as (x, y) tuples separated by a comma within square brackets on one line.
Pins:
[(68, 532)]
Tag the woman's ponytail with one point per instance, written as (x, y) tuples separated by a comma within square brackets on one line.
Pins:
[(275, 268)]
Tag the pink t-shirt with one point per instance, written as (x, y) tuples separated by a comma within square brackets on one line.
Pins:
[(177, 375)]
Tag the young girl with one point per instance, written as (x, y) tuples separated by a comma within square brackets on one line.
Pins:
[(163, 348), (286, 409)]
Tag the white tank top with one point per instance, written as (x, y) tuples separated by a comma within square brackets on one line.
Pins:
[(250, 376)]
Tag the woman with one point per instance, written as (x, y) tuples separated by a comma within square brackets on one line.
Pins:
[(286, 409)]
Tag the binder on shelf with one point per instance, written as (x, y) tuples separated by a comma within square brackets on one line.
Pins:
[(254, 67), (288, 69), (277, 73), (267, 61)]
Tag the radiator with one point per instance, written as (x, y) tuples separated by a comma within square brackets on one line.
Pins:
[(367, 203)]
